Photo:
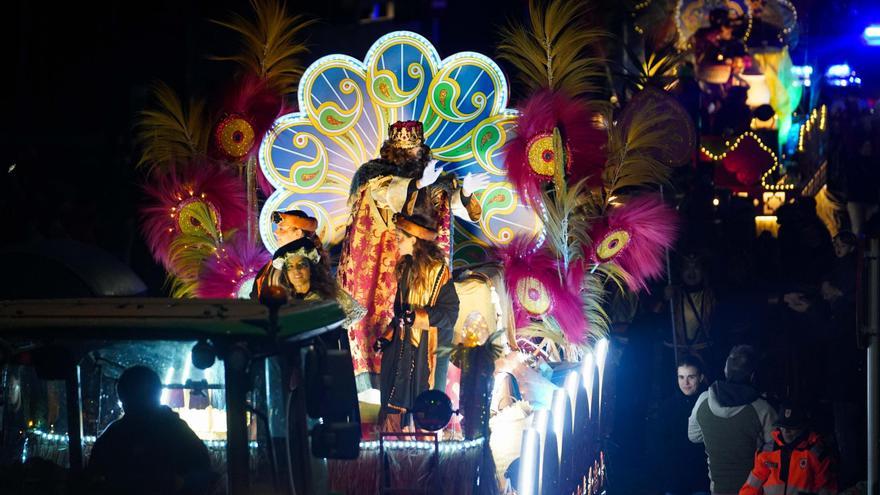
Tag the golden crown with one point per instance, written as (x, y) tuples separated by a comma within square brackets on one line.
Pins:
[(406, 134)]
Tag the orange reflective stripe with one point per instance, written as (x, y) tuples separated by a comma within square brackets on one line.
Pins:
[(754, 481), (774, 490)]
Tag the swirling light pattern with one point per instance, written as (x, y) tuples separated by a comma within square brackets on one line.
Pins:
[(346, 106)]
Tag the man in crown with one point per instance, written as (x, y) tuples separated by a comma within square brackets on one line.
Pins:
[(404, 179)]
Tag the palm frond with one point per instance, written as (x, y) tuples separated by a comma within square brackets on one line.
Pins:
[(635, 146), (612, 272), (547, 328), (649, 69), (171, 133), (565, 222), (269, 46), (593, 295), (549, 52)]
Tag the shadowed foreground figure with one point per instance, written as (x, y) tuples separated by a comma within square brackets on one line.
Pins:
[(150, 450)]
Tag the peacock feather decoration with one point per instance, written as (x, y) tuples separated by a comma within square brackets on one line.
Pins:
[(199, 217), (592, 173), (345, 106)]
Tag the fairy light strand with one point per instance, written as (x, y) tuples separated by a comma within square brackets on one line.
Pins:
[(732, 147)]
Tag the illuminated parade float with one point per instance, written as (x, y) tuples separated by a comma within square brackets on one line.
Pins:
[(544, 209)]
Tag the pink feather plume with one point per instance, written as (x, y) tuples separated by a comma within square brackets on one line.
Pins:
[(583, 140), (521, 261), (652, 227), (166, 193), (235, 264), (252, 98)]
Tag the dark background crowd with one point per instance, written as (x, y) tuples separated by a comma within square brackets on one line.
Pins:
[(795, 297)]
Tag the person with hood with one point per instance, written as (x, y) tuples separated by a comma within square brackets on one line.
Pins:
[(796, 461), (679, 465), (150, 450), (732, 421)]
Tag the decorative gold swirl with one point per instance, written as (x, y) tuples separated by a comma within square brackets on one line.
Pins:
[(497, 200), (488, 137)]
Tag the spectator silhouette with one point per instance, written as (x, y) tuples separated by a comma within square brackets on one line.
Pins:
[(693, 306), (150, 450), (732, 420), (844, 377)]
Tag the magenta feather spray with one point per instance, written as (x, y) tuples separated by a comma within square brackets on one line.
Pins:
[(168, 193), (235, 264), (651, 227), (534, 285), (584, 142)]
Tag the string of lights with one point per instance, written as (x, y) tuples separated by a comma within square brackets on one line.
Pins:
[(817, 115), (90, 439), (445, 446), (732, 147)]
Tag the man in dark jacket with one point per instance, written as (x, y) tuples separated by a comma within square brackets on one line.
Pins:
[(733, 421), (680, 466), (150, 450)]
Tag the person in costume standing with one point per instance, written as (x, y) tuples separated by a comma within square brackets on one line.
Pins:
[(403, 180), (425, 309)]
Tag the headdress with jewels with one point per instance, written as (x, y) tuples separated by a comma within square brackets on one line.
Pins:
[(406, 134)]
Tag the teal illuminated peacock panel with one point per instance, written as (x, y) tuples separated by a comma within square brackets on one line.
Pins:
[(345, 106)]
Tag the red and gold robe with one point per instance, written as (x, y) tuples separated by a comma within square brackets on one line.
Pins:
[(369, 254)]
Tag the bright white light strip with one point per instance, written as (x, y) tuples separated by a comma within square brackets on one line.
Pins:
[(528, 462), (445, 446), (560, 400), (540, 421), (588, 369), (571, 387), (601, 355)]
